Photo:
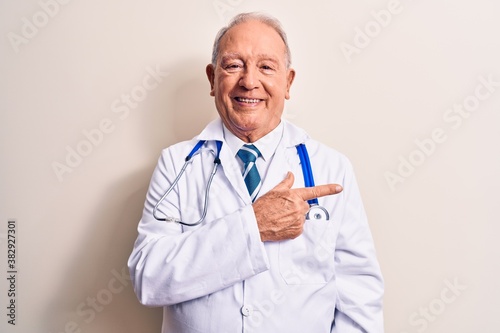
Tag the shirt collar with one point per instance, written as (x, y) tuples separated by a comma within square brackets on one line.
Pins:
[(266, 145), (291, 136)]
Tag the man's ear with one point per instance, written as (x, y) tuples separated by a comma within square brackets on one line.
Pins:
[(210, 70), (289, 80)]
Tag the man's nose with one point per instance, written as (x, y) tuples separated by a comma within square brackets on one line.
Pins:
[(249, 78)]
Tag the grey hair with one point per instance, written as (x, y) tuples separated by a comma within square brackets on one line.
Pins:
[(260, 17)]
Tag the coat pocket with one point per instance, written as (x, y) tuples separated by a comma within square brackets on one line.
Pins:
[(309, 258)]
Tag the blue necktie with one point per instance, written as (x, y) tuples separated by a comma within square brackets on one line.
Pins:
[(248, 154)]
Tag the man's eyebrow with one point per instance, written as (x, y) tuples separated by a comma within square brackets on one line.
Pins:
[(231, 55), (268, 57), (262, 56)]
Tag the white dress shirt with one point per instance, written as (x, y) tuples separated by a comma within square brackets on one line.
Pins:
[(266, 145)]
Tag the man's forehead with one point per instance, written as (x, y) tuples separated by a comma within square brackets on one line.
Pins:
[(252, 37), (253, 30)]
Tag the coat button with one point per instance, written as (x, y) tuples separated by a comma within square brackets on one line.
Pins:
[(246, 310)]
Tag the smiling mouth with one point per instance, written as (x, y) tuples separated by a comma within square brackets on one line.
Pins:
[(247, 100)]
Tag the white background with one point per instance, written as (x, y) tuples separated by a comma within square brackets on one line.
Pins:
[(436, 225)]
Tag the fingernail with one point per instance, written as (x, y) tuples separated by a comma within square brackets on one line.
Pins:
[(338, 188)]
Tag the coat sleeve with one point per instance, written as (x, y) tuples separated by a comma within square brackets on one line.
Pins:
[(359, 280), (169, 266)]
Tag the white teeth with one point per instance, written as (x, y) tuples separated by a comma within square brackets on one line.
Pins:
[(248, 100)]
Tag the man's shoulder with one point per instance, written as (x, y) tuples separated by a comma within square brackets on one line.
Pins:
[(212, 131)]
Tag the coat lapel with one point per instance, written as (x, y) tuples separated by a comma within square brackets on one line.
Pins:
[(233, 174), (285, 159)]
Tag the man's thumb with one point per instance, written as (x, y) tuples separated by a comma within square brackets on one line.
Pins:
[(286, 183)]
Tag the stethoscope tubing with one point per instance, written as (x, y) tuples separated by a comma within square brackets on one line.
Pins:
[(176, 180), (306, 171)]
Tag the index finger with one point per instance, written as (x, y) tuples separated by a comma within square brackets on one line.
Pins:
[(308, 193)]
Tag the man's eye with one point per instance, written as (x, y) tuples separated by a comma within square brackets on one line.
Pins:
[(267, 68), (232, 67)]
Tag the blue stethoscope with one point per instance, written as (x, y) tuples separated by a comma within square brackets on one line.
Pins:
[(315, 212)]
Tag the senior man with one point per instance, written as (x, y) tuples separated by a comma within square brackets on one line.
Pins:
[(255, 263)]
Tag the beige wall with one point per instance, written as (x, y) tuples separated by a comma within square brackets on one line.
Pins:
[(393, 92)]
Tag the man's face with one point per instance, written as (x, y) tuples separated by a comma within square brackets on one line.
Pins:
[(250, 81)]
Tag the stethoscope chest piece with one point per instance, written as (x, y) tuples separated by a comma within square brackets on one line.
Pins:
[(317, 212)]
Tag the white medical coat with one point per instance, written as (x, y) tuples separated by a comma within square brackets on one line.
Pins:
[(220, 277)]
